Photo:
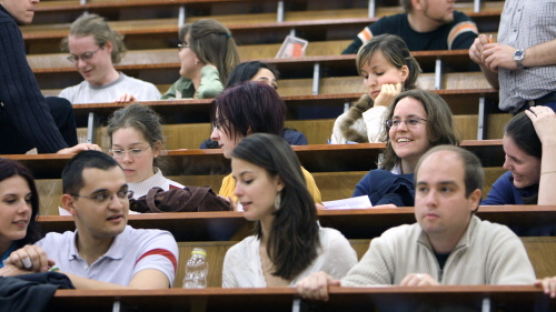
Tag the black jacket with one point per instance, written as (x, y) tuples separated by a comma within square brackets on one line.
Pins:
[(31, 292), (21, 102)]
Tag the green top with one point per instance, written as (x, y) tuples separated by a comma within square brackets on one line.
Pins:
[(183, 88)]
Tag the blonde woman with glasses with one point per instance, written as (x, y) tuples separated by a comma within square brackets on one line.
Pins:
[(94, 48)]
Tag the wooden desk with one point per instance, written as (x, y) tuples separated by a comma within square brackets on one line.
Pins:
[(190, 226), (315, 158), (474, 298), (248, 20), (354, 224), (458, 60), (460, 101)]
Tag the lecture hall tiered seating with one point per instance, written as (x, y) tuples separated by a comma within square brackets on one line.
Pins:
[(323, 78)]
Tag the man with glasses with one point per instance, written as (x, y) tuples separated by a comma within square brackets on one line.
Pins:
[(27, 119), (94, 49), (104, 252), (448, 245)]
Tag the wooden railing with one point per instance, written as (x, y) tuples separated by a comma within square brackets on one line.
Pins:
[(444, 298)]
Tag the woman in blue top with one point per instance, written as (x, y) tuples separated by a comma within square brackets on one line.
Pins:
[(416, 121), (530, 149), (19, 207)]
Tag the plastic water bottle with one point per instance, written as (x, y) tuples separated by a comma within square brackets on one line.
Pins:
[(196, 269)]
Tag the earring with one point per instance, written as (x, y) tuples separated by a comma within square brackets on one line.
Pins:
[(277, 201)]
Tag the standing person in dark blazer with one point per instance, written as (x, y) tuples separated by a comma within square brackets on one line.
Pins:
[(26, 120)]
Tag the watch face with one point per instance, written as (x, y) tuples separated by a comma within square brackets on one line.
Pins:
[(518, 55)]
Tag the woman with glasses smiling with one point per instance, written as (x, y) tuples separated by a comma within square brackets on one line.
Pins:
[(416, 121), (136, 140), (207, 53), (94, 49)]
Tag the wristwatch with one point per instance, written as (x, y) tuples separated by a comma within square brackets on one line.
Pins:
[(519, 55)]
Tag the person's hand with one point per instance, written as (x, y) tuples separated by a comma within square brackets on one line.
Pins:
[(544, 121), (387, 94), (315, 286), (79, 148), (30, 258), (497, 55), (385, 206), (126, 98), (477, 48), (418, 279), (11, 270), (548, 285)]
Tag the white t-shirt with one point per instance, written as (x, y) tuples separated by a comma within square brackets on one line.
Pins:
[(132, 251), (84, 92), (242, 263)]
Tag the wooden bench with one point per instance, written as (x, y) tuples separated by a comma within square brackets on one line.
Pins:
[(213, 230), (354, 224), (444, 298), (321, 53), (271, 23), (77, 5), (541, 250), (466, 104), (332, 185), (336, 168), (317, 131), (315, 158)]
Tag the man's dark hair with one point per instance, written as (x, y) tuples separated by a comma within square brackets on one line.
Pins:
[(72, 175)]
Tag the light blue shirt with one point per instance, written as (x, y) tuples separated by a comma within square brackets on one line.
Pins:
[(132, 251)]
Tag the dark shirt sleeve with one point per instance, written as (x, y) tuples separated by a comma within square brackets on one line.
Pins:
[(501, 192), (387, 24), (294, 137), (465, 38), (20, 94), (464, 41), (208, 143), (362, 187), (353, 46), (383, 187)]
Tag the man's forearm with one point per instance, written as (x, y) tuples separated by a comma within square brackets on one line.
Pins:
[(540, 54)]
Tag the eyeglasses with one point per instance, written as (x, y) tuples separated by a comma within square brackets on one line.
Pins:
[(85, 56), (182, 45), (410, 123), (104, 196), (134, 152)]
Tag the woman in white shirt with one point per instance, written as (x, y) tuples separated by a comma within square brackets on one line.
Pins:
[(288, 243), (135, 142)]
